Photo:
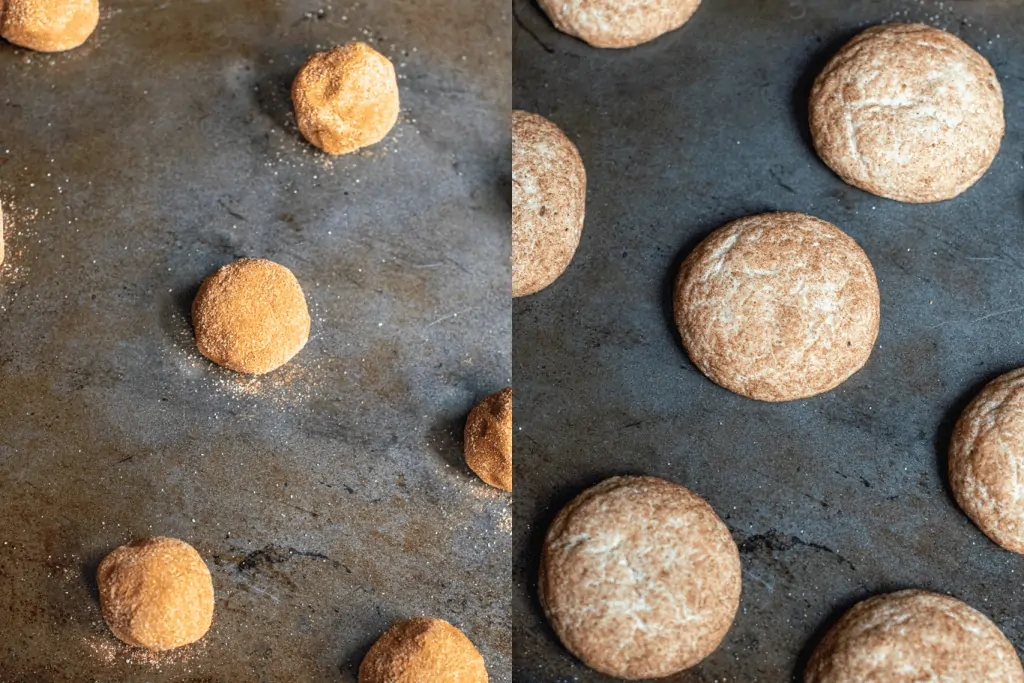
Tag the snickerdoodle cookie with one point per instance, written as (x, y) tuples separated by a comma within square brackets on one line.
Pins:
[(912, 636), (777, 306), (986, 460), (156, 593), (549, 187), (48, 25), (488, 439), (908, 112), (639, 577), (618, 23), (423, 650)]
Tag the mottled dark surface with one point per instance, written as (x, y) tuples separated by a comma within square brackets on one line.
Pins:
[(330, 497), (830, 499)]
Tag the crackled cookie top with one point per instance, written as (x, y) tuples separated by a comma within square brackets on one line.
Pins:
[(618, 23)]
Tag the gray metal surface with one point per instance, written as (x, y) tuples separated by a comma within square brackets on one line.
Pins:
[(328, 498), (830, 499)]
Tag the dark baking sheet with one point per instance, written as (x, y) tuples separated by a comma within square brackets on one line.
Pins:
[(830, 499), (329, 498)]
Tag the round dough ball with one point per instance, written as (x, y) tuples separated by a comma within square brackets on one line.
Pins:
[(778, 306), (914, 636), (346, 98), (48, 25), (639, 578), (423, 651), (908, 112), (488, 439), (549, 189), (156, 593), (986, 460), (251, 316), (618, 23)]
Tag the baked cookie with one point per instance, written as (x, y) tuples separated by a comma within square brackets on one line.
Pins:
[(549, 187), (423, 651), (639, 578), (618, 23), (488, 439), (908, 112), (778, 306), (986, 460), (48, 25), (913, 636)]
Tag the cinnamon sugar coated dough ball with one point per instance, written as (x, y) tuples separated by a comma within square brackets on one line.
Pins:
[(778, 306), (48, 25), (423, 650), (488, 439), (986, 460), (346, 98), (251, 316), (639, 578), (549, 188), (908, 112), (913, 636), (618, 23), (156, 593)]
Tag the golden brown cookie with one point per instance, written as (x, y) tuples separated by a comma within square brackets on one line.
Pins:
[(156, 593), (549, 188), (908, 112), (986, 460), (488, 439), (48, 25), (914, 636), (639, 578), (778, 306), (423, 651), (251, 316), (346, 98), (618, 23)]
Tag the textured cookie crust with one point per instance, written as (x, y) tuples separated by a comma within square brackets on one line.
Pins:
[(549, 188), (156, 593), (777, 306), (986, 460), (639, 577), (488, 439), (346, 98), (618, 23), (48, 25), (908, 112), (251, 316), (423, 651), (910, 637)]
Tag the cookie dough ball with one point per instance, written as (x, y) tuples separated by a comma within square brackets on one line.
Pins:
[(156, 593), (986, 460), (488, 439), (639, 578), (913, 636), (346, 98), (423, 651), (549, 188), (908, 112), (48, 25), (618, 23), (778, 306), (251, 316)]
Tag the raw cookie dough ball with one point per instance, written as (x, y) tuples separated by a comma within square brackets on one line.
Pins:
[(914, 636), (346, 98), (549, 188), (423, 651), (48, 25), (639, 578), (251, 316), (156, 593), (488, 439), (618, 23), (986, 460), (778, 306), (908, 112)]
